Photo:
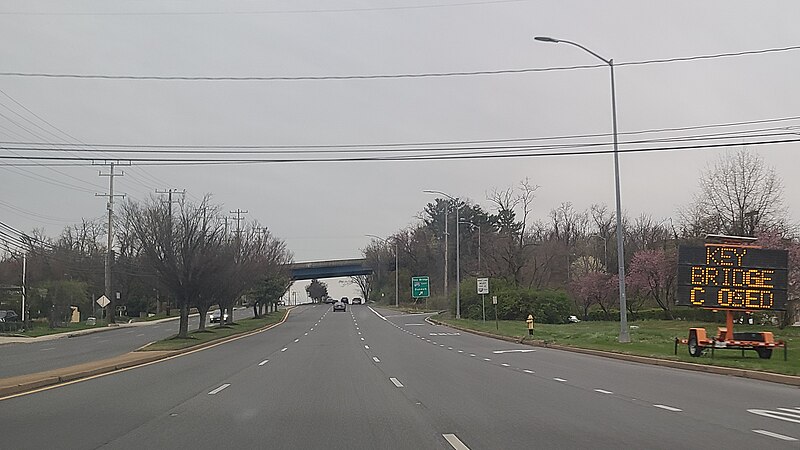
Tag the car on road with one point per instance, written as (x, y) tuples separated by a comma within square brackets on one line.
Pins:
[(339, 306), (356, 301), (215, 315), (330, 300), (345, 300), (7, 315)]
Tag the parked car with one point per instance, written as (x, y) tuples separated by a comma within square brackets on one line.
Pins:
[(356, 301), (215, 315), (339, 306), (573, 319), (7, 315)]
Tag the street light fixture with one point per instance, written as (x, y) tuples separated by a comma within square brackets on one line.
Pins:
[(396, 269), (466, 222), (624, 334), (458, 252)]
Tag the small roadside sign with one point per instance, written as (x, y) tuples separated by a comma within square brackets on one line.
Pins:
[(494, 299), (103, 301), (483, 285), (420, 287)]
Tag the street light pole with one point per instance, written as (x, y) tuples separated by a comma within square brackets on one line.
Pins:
[(396, 269), (624, 334), (458, 250)]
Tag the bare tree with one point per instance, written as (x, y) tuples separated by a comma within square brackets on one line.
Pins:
[(739, 195), (364, 283)]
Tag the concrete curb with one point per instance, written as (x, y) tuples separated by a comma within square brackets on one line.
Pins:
[(743, 373), (14, 386)]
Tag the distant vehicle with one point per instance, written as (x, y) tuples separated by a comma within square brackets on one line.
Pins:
[(339, 306), (215, 315), (345, 300), (8, 316), (356, 301), (330, 300), (573, 319)]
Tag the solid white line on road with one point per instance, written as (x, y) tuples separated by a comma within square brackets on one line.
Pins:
[(47, 349), (668, 408), (528, 371), (497, 352), (366, 347), (560, 380), (396, 382), (377, 313), (603, 391), (263, 362), (297, 340), (505, 365), (775, 435), (284, 349), (455, 442), (140, 335), (375, 358), (217, 390), (415, 324)]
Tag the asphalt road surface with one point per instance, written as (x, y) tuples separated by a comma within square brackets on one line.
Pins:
[(26, 358), (372, 379)]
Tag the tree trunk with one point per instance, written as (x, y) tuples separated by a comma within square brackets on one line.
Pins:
[(203, 313), (230, 315), (255, 310), (183, 329)]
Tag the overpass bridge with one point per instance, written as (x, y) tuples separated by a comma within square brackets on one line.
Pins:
[(329, 269)]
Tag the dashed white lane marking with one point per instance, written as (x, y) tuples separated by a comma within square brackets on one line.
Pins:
[(140, 335), (455, 442), (306, 334), (396, 382), (497, 352), (560, 380), (375, 358), (312, 329), (366, 347), (505, 365), (263, 362), (362, 338), (297, 340), (284, 349), (376, 313), (603, 391), (104, 340), (528, 371), (486, 359), (219, 389), (775, 435), (449, 348), (473, 355), (668, 408), (461, 351), (47, 349)]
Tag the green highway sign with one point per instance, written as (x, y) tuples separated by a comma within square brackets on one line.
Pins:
[(420, 287)]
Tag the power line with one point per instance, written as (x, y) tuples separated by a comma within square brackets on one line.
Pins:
[(390, 76)]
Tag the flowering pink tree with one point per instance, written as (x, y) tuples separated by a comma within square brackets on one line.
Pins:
[(592, 288), (653, 274), (775, 240)]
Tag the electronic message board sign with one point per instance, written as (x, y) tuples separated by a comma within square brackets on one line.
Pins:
[(720, 276)]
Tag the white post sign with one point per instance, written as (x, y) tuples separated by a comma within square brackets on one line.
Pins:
[(483, 285)]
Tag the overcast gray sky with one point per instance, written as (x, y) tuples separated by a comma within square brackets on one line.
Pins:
[(324, 209)]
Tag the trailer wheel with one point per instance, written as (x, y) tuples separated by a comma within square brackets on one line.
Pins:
[(764, 353), (694, 349)]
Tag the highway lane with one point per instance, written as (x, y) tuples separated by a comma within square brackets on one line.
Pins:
[(40, 356), (355, 380)]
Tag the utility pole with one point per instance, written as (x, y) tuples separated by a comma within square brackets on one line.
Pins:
[(447, 299), (24, 288), (109, 256), (238, 220), (169, 192)]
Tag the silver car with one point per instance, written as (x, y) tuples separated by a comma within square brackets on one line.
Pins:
[(339, 306)]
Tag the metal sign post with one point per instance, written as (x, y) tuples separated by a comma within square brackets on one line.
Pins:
[(496, 322)]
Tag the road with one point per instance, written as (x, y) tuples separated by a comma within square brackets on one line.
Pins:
[(366, 379), (39, 356)]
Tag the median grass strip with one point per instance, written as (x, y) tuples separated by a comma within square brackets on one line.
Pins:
[(653, 338), (214, 333), (40, 329)]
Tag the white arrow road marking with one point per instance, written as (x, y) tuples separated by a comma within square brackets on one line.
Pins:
[(775, 435), (603, 391), (786, 414), (219, 389), (455, 442), (263, 362), (497, 352), (375, 358), (668, 408), (396, 382)]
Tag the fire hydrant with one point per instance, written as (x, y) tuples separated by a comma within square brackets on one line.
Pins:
[(530, 324)]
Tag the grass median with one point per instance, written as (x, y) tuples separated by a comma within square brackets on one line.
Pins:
[(215, 333), (653, 338)]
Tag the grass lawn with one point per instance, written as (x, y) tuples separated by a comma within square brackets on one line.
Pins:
[(40, 329), (215, 332), (652, 338)]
